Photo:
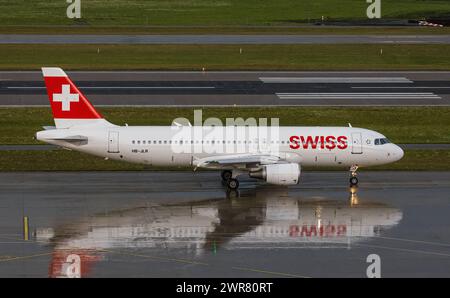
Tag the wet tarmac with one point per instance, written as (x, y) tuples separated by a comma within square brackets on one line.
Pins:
[(183, 224)]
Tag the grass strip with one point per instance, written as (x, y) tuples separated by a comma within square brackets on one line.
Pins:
[(227, 57), (207, 12), (402, 125)]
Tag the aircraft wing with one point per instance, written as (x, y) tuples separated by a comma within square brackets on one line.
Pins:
[(236, 161)]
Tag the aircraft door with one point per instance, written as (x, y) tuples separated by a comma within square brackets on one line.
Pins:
[(113, 142), (356, 143)]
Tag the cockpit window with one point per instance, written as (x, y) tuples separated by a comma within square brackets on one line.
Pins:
[(382, 141)]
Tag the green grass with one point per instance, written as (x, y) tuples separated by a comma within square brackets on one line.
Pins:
[(400, 124), (209, 12), (63, 160), (227, 57)]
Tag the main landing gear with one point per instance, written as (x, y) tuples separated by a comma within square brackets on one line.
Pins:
[(233, 183), (353, 178), (227, 177)]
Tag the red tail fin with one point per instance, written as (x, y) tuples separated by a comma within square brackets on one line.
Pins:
[(67, 102)]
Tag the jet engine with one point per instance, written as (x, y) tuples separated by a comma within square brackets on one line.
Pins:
[(279, 174)]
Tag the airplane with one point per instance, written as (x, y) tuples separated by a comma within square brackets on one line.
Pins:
[(276, 159)]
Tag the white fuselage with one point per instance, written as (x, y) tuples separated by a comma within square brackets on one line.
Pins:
[(184, 145)]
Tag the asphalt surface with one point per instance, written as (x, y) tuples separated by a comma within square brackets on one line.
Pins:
[(222, 39), (170, 224), (134, 88)]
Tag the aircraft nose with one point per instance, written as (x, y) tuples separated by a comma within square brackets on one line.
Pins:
[(398, 152)]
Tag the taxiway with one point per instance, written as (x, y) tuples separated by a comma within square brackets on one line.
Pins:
[(182, 224)]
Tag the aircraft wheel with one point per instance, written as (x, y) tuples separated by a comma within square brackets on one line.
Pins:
[(226, 175), (233, 183), (353, 181)]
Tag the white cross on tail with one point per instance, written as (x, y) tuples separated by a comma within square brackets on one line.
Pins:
[(65, 97)]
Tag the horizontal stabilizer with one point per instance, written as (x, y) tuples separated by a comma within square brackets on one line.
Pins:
[(71, 139)]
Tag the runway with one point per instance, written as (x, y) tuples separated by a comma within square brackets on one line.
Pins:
[(143, 224), (144, 88), (222, 39)]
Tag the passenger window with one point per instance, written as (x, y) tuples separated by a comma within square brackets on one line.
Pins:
[(132, 142), (377, 141)]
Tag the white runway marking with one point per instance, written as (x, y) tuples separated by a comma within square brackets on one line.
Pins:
[(398, 87), (339, 80), (425, 95)]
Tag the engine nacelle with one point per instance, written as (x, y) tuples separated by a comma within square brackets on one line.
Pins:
[(279, 174)]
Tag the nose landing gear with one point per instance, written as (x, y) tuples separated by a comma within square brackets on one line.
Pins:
[(353, 179)]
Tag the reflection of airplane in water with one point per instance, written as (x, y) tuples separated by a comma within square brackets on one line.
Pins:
[(265, 218)]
